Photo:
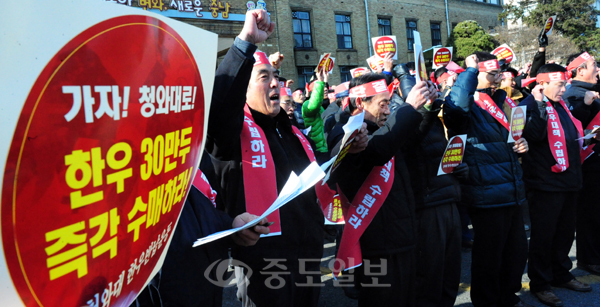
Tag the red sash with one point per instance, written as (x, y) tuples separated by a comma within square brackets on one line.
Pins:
[(556, 136), (360, 213), (201, 183), (324, 193), (486, 102), (587, 151), (260, 184), (510, 102)]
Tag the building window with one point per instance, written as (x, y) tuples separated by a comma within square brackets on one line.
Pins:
[(301, 22), (304, 75), (411, 25), (344, 34), (436, 34), (385, 26), (345, 73)]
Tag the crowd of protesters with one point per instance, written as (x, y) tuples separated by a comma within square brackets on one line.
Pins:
[(410, 249)]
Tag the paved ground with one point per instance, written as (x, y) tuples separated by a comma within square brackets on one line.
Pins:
[(334, 297)]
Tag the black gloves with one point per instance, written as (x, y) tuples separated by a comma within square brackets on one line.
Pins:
[(543, 39), (462, 172)]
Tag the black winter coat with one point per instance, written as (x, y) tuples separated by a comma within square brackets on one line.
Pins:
[(495, 175), (574, 97), (302, 218), (538, 162), (425, 156), (392, 230)]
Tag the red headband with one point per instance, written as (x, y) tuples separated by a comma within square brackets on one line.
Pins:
[(454, 67), (445, 76), (285, 91), (260, 58), (489, 65), (369, 89), (342, 87), (579, 60), (545, 77), (309, 87), (507, 74)]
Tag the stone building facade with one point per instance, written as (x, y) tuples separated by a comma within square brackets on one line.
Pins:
[(305, 29)]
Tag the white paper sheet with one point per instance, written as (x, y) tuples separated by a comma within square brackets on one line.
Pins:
[(295, 186), (354, 123)]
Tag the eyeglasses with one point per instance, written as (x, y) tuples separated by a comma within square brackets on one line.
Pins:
[(289, 104), (494, 74)]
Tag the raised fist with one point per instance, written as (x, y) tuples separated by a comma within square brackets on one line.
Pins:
[(257, 27)]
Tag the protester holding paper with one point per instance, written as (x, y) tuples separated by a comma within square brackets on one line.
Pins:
[(245, 118), (583, 95), (378, 179), (437, 218), (553, 177), (494, 190)]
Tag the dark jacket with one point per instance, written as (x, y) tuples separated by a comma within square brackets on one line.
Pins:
[(538, 162), (302, 218), (425, 156), (298, 116), (392, 230), (495, 176), (574, 97), (330, 111), (181, 281)]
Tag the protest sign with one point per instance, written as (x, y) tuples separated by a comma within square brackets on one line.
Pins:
[(333, 212), (326, 62), (421, 70), (441, 57), (453, 154), (358, 71), (517, 123), (383, 45), (503, 52), (549, 25), (375, 63), (103, 132)]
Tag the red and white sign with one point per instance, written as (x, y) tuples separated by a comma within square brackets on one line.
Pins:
[(358, 71), (375, 63), (453, 155), (326, 62), (549, 25), (103, 133), (504, 52), (517, 123), (441, 57), (333, 212), (421, 70), (383, 45)]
